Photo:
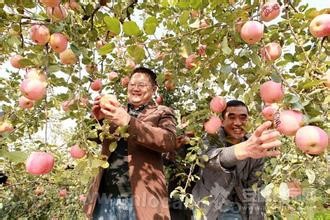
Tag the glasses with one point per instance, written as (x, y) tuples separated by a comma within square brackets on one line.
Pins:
[(138, 85)]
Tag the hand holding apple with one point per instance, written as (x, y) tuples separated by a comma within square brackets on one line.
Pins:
[(116, 114)]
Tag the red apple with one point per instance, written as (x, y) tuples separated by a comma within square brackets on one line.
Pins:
[(63, 193), (294, 189), (58, 13), (320, 26), (271, 92), (6, 127), (91, 68), (33, 89), (271, 51), (169, 85), (218, 104), (72, 4), (112, 75), (159, 55), (124, 81), (168, 75), (289, 122), (327, 79), (39, 163), (82, 198), (270, 11), (39, 190), (130, 64), (194, 14), (269, 111), (68, 57), (25, 103), (50, 3), (39, 34), (252, 32), (67, 104), (96, 85), (108, 99), (58, 42), (203, 24), (37, 75), (191, 61), (201, 50), (15, 61), (76, 152), (213, 125), (311, 140), (159, 100)]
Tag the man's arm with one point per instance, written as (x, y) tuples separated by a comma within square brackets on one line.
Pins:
[(261, 144), (161, 138)]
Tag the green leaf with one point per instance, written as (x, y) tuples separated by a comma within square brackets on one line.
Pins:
[(131, 28), (267, 191), (224, 46), (198, 214), (112, 24), (26, 62), (106, 49), (136, 52), (310, 175), (14, 156), (113, 146), (311, 83), (150, 25), (195, 4), (284, 191)]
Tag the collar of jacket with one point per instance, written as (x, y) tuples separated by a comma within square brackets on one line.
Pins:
[(141, 110)]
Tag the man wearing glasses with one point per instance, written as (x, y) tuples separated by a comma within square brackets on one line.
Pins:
[(133, 186)]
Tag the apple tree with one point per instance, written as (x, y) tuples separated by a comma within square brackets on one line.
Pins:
[(58, 55)]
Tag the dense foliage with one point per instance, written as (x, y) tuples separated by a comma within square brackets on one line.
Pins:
[(197, 52)]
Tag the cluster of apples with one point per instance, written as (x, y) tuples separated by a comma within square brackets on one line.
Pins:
[(217, 105), (34, 85), (40, 163), (58, 12), (309, 139), (252, 31), (40, 35)]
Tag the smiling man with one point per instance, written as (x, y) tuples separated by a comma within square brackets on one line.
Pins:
[(234, 167), (133, 186)]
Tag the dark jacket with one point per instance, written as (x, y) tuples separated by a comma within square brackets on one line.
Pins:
[(150, 134), (219, 182)]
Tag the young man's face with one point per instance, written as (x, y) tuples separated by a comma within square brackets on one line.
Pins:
[(140, 89), (234, 122)]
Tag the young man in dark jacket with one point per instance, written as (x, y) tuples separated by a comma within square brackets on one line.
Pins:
[(235, 162)]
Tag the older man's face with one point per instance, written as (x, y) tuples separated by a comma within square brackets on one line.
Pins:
[(234, 122), (140, 89)]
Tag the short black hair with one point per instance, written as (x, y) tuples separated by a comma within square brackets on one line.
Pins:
[(234, 103), (152, 75)]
